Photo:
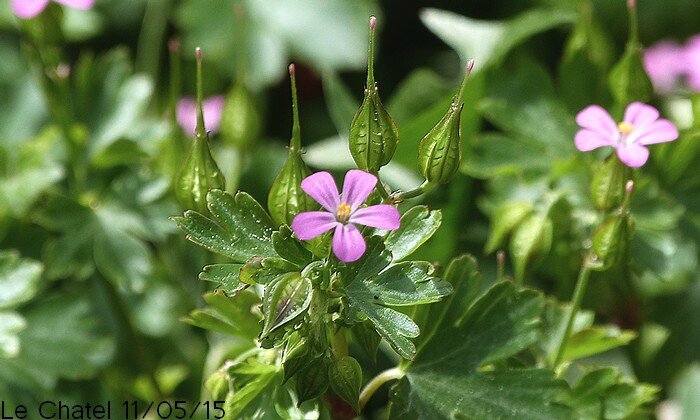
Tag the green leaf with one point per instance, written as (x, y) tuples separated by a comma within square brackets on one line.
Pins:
[(531, 239), (226, 276), (120, 256), (685, 389), (286, 298), (342, 106), (240, 228), (488, 42), (62, 339), (11, 324), (418, 91), (505, 218), (445, 378), (596, 340), (604, 393), (228, 315), (404, 284), (312, 382), (289, 248), (19, 279), (367, 337), (345, 376), (264, 270), (417, 226)]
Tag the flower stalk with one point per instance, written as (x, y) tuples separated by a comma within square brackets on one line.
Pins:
[(379, 380)]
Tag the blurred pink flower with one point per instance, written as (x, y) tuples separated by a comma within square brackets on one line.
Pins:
[(212, 108), (665, 63), (641, 126), (692, 60), (343, 212), (27, 9)]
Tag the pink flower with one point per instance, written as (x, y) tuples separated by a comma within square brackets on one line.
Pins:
[(212, 108), (343, 212), (665, 63), (640, 127), (27, 9), (692, 60)]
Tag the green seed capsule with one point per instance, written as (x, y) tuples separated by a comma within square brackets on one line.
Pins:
[(611, 240), (200, 173), (628, 81), (373, 133), (286, 198), (608, 183), (240, 122), (440, 151)]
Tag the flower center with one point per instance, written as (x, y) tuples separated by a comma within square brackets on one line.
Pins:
[(343, 212), (625, 128)]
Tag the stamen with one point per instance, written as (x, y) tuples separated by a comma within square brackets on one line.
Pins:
[(625, 127), (343, 211)]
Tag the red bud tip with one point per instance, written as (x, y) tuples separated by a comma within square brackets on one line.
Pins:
[(174, 44), (372, 22), (631, 4), (629, 186), (292, 69), (470, 65), (63, 71), (501, 257), (198, 53)]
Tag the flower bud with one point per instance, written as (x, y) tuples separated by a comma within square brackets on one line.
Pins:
[(200, 173), (373, 133), (286, 198), (217, 384), (240, 122), (440, 151)]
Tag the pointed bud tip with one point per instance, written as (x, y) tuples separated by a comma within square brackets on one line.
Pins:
[(470, 65), (372, 22), (63, 71), (631, 4), (292, 69), (198, 53), (501, 257), (629, 187)]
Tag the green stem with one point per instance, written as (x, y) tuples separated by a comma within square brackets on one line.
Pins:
[(200, 130), (295, 142), (379, 380), (634, 23), (155, 22), (370, 53), (380, 188), (175, 78), (579, 292), (415, 192)]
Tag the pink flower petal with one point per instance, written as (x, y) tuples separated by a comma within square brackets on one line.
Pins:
[(597, 119), (187, 115), (27, 9), (633, 155), (77, 4), (321, 187), (311, 224), (348, 243), (692, 62), (213, 108), (382, 216), (587, 140), (357, 186), (659, 131), (640, 115), (665, 63)]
